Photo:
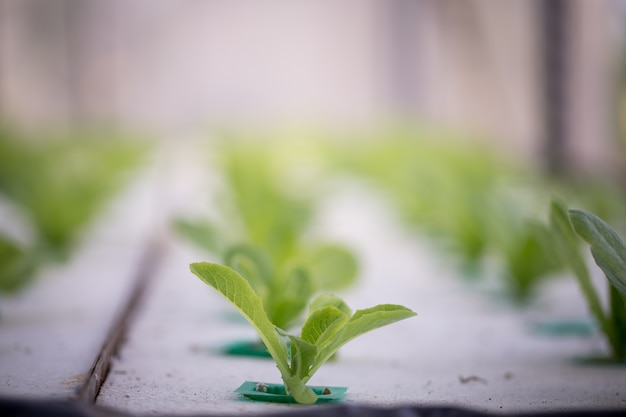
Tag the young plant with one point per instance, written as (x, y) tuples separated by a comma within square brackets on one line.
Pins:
[(330, 325), (263, 233), (467, 198), (285, 289), (267, 211), (60, 184), (609, 253), (527, 251)]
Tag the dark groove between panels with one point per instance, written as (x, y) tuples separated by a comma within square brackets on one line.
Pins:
[(148, 264)]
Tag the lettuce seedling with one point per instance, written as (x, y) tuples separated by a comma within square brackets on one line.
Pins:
[(330, 325), (285, 289), (609, 253), (464, 198), (269, 213), (262, 229), (60, 185)]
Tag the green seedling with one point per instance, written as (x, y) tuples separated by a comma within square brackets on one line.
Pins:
[(266, 198), (60, 184), (330, 325), (286, 289), (609, 253), (266, 211), (470, 201), (263, 230), (438, 185), (528, 251)]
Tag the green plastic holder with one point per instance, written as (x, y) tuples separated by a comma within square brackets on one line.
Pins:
[(565, 328), (246, 348), (275, 393)]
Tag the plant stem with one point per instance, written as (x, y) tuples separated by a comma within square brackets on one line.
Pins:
[(618, 322)]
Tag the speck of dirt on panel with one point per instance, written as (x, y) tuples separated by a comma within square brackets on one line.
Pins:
[(76, 379)]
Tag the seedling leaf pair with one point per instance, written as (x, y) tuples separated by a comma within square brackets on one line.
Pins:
[(329, 325)]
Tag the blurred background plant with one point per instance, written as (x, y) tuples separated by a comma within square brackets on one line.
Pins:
[(475, 204), (59, 185), (533, 92), (268, 203)]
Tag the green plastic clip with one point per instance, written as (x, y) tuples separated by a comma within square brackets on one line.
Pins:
[(261, 391)]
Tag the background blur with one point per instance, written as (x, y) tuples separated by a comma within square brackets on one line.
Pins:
[(541, 79)]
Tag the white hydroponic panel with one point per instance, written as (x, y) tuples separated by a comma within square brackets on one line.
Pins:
[(465, 348), (52, 331)]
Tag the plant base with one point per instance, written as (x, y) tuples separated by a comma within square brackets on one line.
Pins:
[(276, 392)]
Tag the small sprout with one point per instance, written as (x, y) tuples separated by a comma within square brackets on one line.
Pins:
[(261, 387), (330, 325)]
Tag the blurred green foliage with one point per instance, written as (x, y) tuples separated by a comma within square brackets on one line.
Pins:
[(59, 184), (287, 288), (483, 208), (268, 204), (17, 265), (474, 201), (272, 216)]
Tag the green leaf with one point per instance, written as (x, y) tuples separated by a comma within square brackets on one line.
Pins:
[(568, 244), (361, 322), (322, 325), (302, 356), (568, 248), (238, 291), (569, 251), (607, 247), (329, 300), (372, 318)]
